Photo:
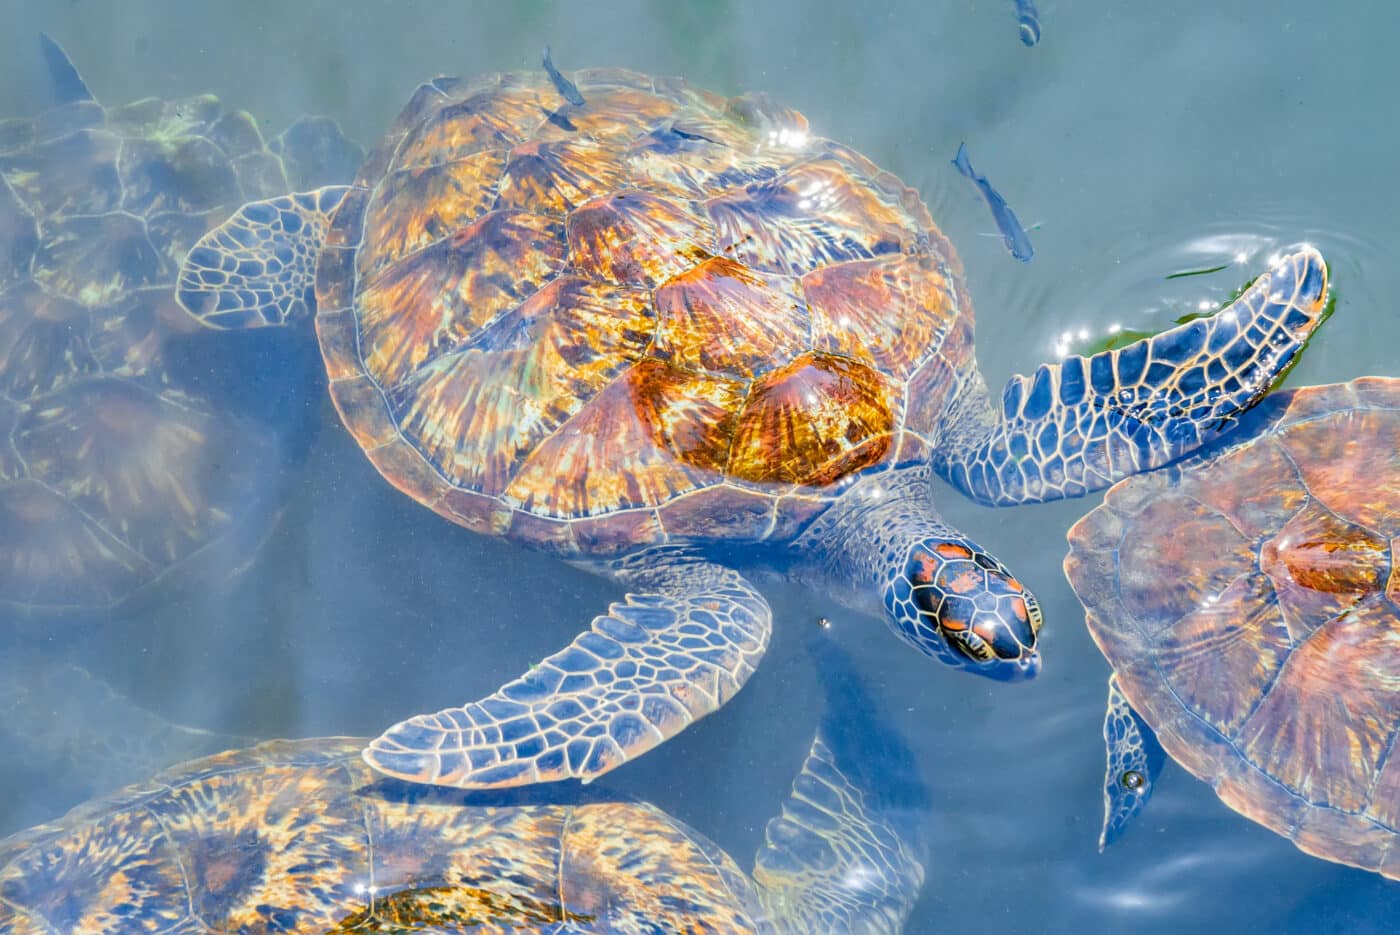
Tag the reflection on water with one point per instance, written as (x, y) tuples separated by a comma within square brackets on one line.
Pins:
[(1246, 130)]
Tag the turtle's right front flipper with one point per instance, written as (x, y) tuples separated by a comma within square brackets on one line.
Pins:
[(649, 667), (1079, 425), (258, 268), (1135, 759)]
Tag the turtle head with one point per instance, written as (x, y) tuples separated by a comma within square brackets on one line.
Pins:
[(955, 602)]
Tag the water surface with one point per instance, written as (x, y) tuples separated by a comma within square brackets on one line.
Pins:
[(1144, 139)]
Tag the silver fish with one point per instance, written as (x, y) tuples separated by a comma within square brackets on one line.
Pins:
[(1029, 19), (1012, 233), (563, 85)]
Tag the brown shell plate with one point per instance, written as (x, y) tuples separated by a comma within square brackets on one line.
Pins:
[(660, 313), (301, 836), (1250, 603)]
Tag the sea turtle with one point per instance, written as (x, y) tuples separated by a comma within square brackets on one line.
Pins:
[(111, 472), (301, 836), (668, 335), (1248, 600)]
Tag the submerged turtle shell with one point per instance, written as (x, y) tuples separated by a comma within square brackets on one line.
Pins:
[(302, 836), (1250, 603), (662, 312), (110, 475)]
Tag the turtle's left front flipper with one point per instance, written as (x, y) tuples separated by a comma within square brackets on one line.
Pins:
[(1135, 760), (846, 853), (680, 645), (258, 268), (1081, 424)]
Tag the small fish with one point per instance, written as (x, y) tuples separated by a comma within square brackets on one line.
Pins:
[(1012, 233), (1029, 19), (566, 88)]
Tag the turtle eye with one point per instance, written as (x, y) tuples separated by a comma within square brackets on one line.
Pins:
[(999, 636), (1033, 615), (970, 645)]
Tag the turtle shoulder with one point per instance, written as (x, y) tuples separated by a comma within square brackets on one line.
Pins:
[(588, 327)]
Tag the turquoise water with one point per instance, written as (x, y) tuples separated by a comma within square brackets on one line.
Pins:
[(1143, 139)]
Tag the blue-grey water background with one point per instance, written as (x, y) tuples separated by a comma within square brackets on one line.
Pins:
[(1143, 138)]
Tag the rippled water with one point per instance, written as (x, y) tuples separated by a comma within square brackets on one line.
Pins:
[(1144, 139)]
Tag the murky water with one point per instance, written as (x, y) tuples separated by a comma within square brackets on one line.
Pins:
[(1143, 139)]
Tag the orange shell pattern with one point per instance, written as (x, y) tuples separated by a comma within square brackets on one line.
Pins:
[(297, 836), (565, 324), (1251, 608)]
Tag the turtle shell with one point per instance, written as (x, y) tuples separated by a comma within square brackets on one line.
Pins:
[(301, 836), (110, 473), (661, 313), (1249, 602)]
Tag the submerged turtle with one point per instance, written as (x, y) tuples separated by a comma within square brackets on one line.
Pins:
[(667, 335), (68, 736), (301, 836), (111, 474), (1249, 603)]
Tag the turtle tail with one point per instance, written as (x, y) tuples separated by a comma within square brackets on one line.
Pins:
[(258, 268)]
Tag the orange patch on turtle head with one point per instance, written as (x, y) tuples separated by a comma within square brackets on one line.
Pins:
[(965, 582), (952, 550), (927, 566)]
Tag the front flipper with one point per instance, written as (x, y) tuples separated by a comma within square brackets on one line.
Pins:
[(1079, 425), (258, 268), (1135, 761), (654, 663), (68, 85), (847, 852)]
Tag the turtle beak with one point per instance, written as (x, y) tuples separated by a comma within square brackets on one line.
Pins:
[(981, 659)]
